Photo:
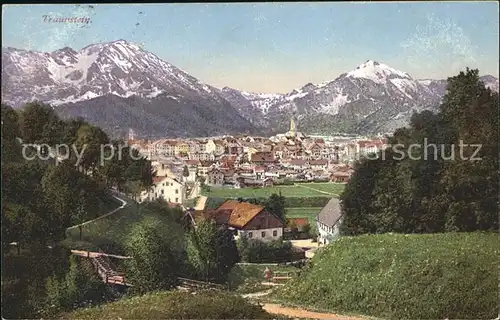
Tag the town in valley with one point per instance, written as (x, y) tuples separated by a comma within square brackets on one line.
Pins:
[(250, 161)]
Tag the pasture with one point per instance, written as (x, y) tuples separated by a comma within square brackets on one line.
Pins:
[(301, 190)]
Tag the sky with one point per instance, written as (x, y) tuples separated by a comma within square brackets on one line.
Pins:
[(276, 47)]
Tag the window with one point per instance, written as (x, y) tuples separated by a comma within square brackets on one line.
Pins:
[(250, 234), (275, 233), (176, 199), (161, 191), (263, 234), (176, 191)]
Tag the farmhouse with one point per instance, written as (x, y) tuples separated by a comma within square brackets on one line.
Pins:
[(328, 221), (248, 220)]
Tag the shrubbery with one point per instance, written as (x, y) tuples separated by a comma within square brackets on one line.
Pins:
[(290, 202), (284, 182), (79, 287), (257, 251)]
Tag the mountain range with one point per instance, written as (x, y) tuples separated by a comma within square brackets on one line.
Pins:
[(118, 85)]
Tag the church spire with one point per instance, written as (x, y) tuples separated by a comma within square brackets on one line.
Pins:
[(293, 127)]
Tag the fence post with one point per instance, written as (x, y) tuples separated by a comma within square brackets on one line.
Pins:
[(88, 254)]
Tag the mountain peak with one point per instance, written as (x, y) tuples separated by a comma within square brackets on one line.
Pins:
[(377, 72), (369, 63)]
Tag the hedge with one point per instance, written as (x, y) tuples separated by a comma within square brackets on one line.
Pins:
[(290, 202)]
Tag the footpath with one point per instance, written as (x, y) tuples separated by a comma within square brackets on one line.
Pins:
[(294, 312)]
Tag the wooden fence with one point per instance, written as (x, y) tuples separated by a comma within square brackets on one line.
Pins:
[(190, 284)]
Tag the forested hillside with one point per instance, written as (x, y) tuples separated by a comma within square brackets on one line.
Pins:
[(42, 197), (441, 173)]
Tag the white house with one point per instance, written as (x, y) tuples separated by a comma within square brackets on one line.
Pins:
[(166, 188), (328, 221)]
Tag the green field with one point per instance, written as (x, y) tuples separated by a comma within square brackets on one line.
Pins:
[(402, 276), (299, 190), (111, 232), (305, 212), (329, 187)]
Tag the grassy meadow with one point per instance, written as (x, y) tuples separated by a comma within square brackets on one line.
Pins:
[(298, 190), (110, 233), (400, 276)]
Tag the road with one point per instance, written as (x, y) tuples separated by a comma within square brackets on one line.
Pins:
[(123, 205)]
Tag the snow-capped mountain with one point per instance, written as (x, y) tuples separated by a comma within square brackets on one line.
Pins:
[(116, 69), (118, 85), (373, 97)]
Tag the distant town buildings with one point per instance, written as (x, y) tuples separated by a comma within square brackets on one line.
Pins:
[(249, 161)]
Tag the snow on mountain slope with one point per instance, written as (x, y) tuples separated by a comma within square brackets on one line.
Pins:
[(376, 72), (118, 83), (371, 96), (490, 82), (119, 68)]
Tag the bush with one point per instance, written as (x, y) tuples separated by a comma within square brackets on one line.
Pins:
[(432, 276), (290, 202), (284, 182), (79, 287), (257, 251), (175, 305)]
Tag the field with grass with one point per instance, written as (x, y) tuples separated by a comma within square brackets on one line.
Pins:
[(298, 190), (174, 305), (328, 187), (110, 233), (304, 212), (432, 276), (248, 278)]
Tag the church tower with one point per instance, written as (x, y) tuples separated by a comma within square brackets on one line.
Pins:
[(131, 134), (293, 127)]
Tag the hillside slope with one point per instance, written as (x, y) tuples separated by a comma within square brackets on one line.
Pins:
[(432, 276), (174, 305)]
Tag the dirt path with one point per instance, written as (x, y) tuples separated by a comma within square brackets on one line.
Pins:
[(123, 205), (200, 205), (295, 312), (301, 313)]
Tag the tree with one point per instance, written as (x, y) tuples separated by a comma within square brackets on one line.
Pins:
[(154, 263), (62, 185), (212, 251), (89, 140), (11, 150), (438, 187), (39, 123), (79, 287), (185, 171), (276, 205)]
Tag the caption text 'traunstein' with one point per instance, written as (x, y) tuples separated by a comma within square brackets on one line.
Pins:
[(49, 19)]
